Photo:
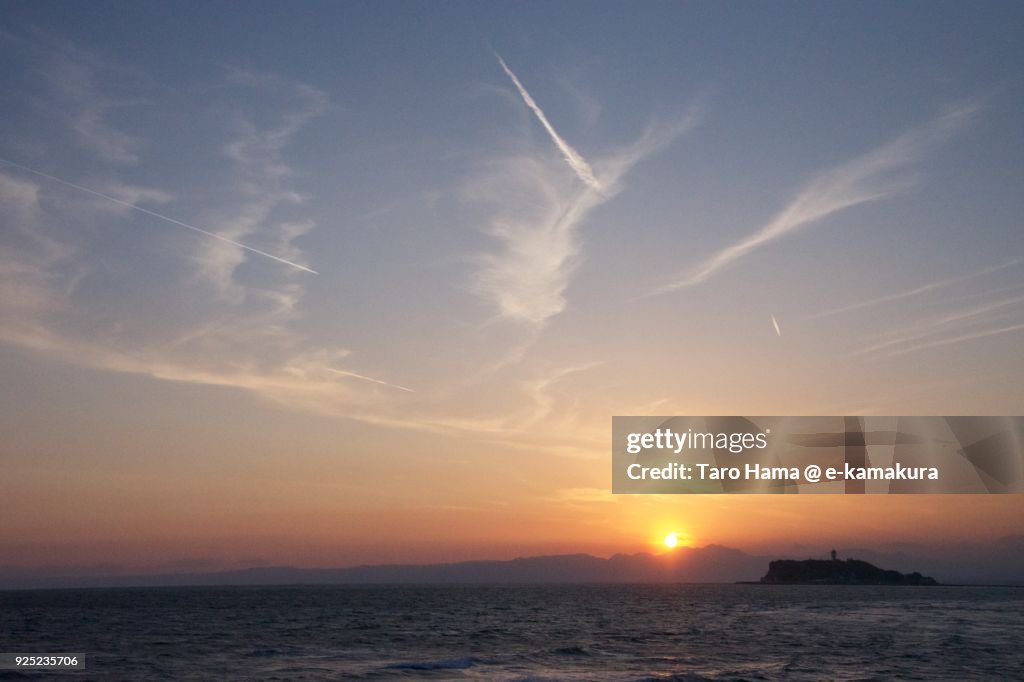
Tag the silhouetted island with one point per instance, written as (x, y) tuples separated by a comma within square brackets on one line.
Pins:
[(835, 571)]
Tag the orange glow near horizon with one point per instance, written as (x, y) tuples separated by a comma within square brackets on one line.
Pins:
[(176, 528), (265, 513)]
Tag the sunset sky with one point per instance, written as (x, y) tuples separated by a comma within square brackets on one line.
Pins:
[(338, 283)]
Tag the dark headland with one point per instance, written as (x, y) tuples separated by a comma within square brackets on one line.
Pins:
[(838, 572)]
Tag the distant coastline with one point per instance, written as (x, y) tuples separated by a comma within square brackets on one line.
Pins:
[(708, 564), (836, 571)]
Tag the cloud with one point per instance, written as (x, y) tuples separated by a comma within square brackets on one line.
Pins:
[(538, 391), (261, 185), (75, 78), (134, 194), (21, 197), (536, 215), (526, 278), (253, 349), (166, 322), (972, 336), (210, 321), (578, 164), (936, 325), (867, 178), (28, 256), (152, 195), (917, 291)]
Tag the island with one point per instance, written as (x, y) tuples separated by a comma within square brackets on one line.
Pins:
[(837, 571)]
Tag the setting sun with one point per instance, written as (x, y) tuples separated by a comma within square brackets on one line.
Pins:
[(671, 540)]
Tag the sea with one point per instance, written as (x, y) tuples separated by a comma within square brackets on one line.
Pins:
[(526, 633)]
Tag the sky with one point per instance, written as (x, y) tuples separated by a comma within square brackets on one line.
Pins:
[(338, 283)]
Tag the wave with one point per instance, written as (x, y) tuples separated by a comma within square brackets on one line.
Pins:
[(273, 652), (448, 664), (575, 650)]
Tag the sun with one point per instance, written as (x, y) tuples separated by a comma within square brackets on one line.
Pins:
[(671, 540)]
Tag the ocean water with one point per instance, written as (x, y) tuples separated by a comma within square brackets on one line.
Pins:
[(558, 632)]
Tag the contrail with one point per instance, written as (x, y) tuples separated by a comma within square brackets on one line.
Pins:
[(158, 215), (376, 381), (775, 323), (578, 164), (919, 290)]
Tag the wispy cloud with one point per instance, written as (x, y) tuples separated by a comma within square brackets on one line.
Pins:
[(775, 323), (80, 87), (261, 186), (537, 215), (539, 393), (162, 322), (867, 178), (31, 262), (929, 328), (972, 336), (168, 322), (19, 196), (536, 224), (983, 294), (174, 323), (150, 195), (578, 164), (917, 291), (251, 348)]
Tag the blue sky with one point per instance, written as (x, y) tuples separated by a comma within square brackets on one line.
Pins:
[(490, 289)]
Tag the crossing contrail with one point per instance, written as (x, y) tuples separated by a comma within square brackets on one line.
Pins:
[(578, 164), (775, 323), (376, 381), (168, 219)]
